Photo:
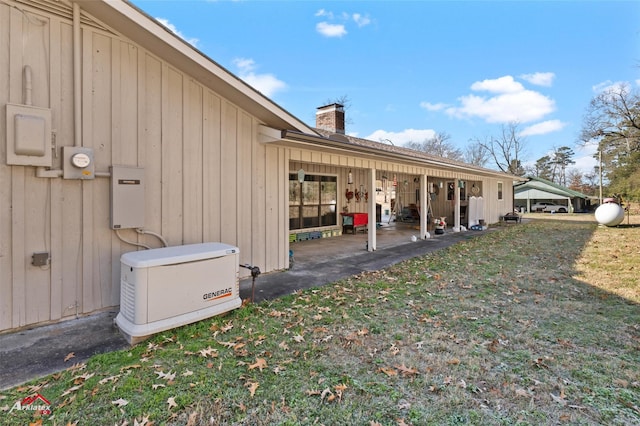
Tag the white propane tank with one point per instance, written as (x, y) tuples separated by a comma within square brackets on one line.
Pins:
[(610, 214)]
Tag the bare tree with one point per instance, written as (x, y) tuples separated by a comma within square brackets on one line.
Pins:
[(615, 115), (439, 145), (613, 121), (343, 100), (476, 154), (507, 149)]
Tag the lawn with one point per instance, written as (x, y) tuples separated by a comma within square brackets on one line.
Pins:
[(533, 323)]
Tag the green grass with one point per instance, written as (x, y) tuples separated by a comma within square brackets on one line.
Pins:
[(533, 324)]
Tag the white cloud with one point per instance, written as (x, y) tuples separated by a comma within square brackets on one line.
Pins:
[(432, 107), (585, 161), (539, 78), (543, 128), (511, 103), (192, 41), (400, 138), (504, 84), (360, 20), (608, 86), (267, 84), (330, 30), (324, 13)]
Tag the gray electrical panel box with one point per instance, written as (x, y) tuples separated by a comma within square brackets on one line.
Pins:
[(127, 197)]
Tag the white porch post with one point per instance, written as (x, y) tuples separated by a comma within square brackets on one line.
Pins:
[(371, 211), (423, 206), (456, 211)]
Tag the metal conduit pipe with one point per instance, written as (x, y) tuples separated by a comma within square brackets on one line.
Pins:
[(77, 78)]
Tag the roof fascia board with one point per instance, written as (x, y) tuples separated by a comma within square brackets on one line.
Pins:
[(313, 141), (132, 22)]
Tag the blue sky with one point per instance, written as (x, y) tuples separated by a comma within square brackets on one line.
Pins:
[(412, 68)]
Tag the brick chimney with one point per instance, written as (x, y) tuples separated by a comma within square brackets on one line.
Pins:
[(331, 118)]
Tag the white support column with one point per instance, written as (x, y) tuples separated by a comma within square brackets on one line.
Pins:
[(371, 210), (424, 210), (456, 211)]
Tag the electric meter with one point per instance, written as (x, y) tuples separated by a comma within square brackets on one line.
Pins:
[(80, 160)]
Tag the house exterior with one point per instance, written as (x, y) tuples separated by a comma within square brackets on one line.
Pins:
[(536, 189), (96, 93)]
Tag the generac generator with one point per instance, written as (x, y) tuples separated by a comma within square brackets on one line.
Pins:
[(169, 287)]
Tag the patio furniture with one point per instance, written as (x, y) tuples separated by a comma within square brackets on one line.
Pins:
[(511, 217)]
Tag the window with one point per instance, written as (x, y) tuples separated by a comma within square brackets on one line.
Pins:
[(312, 204), (451, 191), (499, 190)]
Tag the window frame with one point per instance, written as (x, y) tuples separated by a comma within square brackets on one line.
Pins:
[(326, 213)]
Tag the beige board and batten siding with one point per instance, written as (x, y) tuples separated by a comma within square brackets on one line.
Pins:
[(206, 176)]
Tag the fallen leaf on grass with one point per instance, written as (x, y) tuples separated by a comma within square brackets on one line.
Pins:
[(170, 376), (388, 371), (328, 395), (209, 352), (143, 422), (259, 364), (77, 366), (70, 390), (120, 402), (253, 386), (109, 379), (341, 387), (404, 370), (82, 378), (172, 402)]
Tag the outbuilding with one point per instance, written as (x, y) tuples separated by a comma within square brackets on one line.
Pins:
[(535, 189)]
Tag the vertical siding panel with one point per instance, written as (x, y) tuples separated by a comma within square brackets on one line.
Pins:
[(65, 216), (271, 207), (58, 32), (244, 187), (212, 179), (18, 263), (17, 203), (283, 200), (6, 275), (172, 141), (193, 163), (229, 175), (38, 291), (150, 91), (259, 208), (97, 134)]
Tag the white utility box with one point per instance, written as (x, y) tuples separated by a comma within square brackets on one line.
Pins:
[(169, 287)]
